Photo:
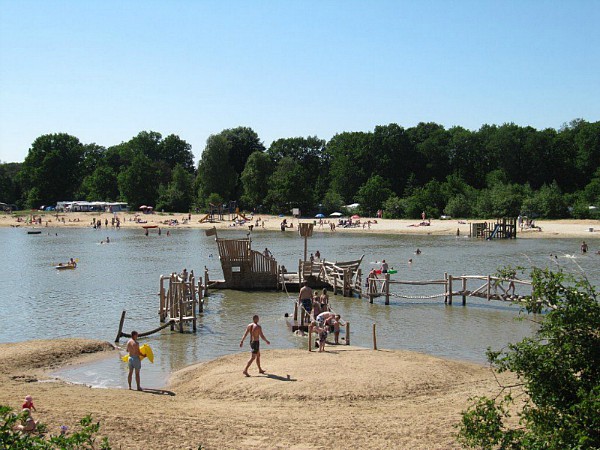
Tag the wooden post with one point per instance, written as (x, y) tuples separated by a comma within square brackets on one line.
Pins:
[(446, 286), (370, 291), (205, 281), (489, 287), (200, 301), (296, 312), (310, 338), (449, 289), (300, 274), (374, 337), (161, 294), (120, 326), (387, 289), (464, 289), (180, 303), (347, 333), (359, 281), (335, 283)]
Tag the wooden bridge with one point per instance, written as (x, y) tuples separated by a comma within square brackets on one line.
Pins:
[(505, 228), (490, 288), (343, 277)]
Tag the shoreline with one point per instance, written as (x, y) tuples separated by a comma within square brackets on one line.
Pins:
[(564, 228), (375, 399)]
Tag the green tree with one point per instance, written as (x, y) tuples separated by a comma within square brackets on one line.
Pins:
[(559, 373), (177, 196), (175, 151), (52, 169), (10, 186), (255, 179), (243, 141), (137, 182), (352, 162), (332, 201), (548, 202), (372, 195), (286, 187), (215, 173), (100, 185)]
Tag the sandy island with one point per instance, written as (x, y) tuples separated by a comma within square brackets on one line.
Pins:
[(345, 397), (544, 228)]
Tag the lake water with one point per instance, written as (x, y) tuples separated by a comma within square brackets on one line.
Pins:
[(39, 302)]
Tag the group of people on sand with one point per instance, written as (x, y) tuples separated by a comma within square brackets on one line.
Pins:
[(27, 424)]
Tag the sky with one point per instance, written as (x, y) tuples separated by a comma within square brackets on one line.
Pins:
[(105, 70)]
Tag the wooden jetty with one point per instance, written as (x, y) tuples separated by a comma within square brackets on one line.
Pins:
[(490, 288), (248, 269), (244, 268), (505, 228)]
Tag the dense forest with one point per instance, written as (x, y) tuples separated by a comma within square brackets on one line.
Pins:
[(492, 172)]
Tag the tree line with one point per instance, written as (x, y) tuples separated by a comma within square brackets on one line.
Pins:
[(491, 172)]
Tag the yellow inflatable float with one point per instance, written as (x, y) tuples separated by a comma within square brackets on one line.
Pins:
[(145, 352)]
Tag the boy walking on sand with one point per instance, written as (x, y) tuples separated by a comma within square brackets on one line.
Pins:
[(255, 331)]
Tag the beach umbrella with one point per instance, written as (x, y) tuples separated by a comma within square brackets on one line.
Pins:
[(320, 216), (356, 216), (143, 207), (336, 214)]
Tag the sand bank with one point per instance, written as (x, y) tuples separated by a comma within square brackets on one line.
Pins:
[(549, 228), (345, 397)]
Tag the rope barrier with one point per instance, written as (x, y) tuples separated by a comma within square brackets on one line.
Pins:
[(417, 297)]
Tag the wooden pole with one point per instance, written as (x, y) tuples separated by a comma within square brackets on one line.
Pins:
[(205, 281), (200, 301), (310, 339), (449, 289), (180, 303), (387, 289), (161, 293), (489, 287), (464, 289), (374, 337), (347, 333), (296, 312), (120, 326), (305, 246), (446, 286)]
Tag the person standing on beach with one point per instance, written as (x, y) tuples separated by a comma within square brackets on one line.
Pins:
[(255, 331), (135, 361)]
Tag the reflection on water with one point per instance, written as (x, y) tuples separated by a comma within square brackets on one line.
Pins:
[(41, 302)]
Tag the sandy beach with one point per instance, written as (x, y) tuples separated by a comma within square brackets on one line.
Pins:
[(345, 397), (566, 228)]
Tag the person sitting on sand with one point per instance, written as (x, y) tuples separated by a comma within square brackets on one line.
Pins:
[(28, 403), (27, 424)]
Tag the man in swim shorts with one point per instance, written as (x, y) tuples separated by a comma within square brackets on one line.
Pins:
[(305, 297), (255, 332), (135, 362)]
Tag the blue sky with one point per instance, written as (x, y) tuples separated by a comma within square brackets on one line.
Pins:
[(105, 70)]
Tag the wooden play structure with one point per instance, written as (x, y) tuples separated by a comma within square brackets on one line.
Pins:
[(505, 228), (492, 288), (244, 268)]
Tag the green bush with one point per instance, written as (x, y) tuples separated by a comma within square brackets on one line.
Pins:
[(84, 438)]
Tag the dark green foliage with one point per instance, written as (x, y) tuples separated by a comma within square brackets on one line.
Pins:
[(559, 368), (83, 438), (495, 171), (52, 170)]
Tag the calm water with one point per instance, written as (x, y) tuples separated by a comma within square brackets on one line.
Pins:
[(38, 301)]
